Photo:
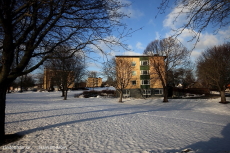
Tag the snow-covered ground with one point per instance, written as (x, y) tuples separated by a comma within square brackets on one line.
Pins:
[(104, 125)]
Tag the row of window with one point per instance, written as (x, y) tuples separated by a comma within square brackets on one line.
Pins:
[(143, 72), (142, 63), (147, 92), (155, 92), (143, 82)]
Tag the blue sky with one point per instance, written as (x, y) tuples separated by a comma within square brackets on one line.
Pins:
[(143, 15)]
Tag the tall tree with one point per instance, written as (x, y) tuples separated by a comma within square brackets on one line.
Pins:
[(65, 68), (183, 76), (109, 71), (214, 65), (25, 82), (34, 28), (80, 71), (176, 55), (124, 73), (199, 14), (93, 74)]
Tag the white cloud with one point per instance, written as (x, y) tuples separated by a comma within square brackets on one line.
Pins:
[(139, 45), (93, 65), (107, 47), (130, 11), (173, 20), (131, 53), (207, 40), (130, 47), (225, 34), (195, 54), (157, 36)]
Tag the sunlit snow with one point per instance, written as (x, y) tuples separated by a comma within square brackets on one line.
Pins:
[(104, 125)]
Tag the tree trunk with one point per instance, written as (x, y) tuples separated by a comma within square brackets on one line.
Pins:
[(63, 93), (121, 95), (21, 84), (3, 90), (222, 95), (165, 94), (65, 96)]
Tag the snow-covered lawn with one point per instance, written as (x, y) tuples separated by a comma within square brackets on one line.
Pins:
[(104, 125)]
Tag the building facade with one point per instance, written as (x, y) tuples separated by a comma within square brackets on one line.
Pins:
[(50, 79), (144, 82), (94, 82)]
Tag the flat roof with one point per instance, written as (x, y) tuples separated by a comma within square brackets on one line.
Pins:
[(137, 55)]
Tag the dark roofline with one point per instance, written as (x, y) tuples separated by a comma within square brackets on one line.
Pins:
[(138, 55)]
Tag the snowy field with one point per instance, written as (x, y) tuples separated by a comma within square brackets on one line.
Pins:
[(101, 125)]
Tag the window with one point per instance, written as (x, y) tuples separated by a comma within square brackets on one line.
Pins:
[(158, 92), (144, 72), (134, 73), (147, 92), (126, 93), (133, 63), (134, 82), (143, 63), (145, 82)]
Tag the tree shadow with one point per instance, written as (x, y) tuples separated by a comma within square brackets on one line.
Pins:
[(214, 145), (47, 110), (119, 107), (66, 114), (9, 138), (76, 121), (125, 108)]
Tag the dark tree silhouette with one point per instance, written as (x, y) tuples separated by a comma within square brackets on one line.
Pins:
[(109, 71), (123, 70), (213, 65), (199, 15), (65, 68), (176, 55), (34, 28)]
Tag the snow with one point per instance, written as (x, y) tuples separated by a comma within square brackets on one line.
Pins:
[(51, 124)]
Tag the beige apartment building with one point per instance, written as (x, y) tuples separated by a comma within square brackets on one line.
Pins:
[(94, 82), (49, 79), (144, 81)]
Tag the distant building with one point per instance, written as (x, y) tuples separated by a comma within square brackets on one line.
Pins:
[(94, 82), (50, 76), (80, 85), (144, 82)]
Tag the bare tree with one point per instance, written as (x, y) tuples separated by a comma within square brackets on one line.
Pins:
[(200, 14), (65, 68), (93, 74), (25, 82), (183, 76), (80, 71), (176, 55), (123, 75), (34, 28), (214, 65), (92, 79), (39, 80), (109, 71)]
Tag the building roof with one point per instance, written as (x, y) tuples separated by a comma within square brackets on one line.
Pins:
[(138, 55)]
